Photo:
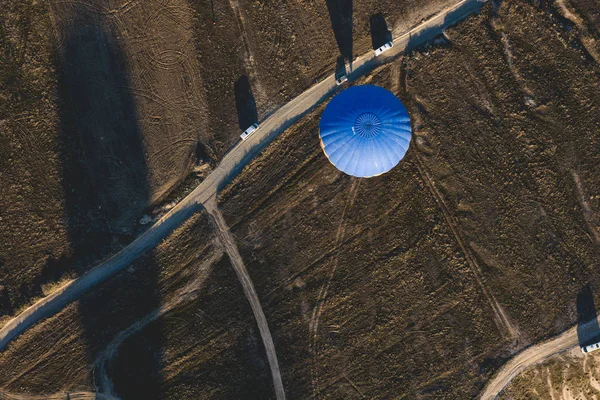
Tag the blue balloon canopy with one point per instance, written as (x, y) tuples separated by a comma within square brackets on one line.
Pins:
[(365, 131)]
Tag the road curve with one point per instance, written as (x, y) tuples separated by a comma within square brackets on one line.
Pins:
[(229, 166), (536, 355)]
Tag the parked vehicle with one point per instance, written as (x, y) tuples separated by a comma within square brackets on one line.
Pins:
[(590, 348), (341, 80), (383, 48), (249, 131)]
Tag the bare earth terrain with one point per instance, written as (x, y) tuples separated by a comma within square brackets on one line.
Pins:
[(166, 85), (567, 376), (420, 284)]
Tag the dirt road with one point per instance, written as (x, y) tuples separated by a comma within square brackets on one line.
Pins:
[(535, 355), (228, 242), (230, 165)]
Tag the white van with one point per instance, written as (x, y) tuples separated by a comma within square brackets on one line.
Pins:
[(590, 348), (341, 80), (383, 48), (249, 131)]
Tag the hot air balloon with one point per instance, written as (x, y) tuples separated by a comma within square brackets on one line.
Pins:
[(365, 131)]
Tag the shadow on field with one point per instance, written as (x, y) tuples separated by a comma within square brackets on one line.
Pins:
[(380, 34), (106, 188), (340, 14), (245, 103), (588, 331), (5, 303), (427, 35)]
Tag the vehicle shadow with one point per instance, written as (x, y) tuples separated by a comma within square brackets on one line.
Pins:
[(6, 307), (380, 34), (588, 330), (340, 14), (104, 175), (245, 103), (340, 67)]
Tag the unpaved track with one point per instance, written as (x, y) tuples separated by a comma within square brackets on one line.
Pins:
[(535, 355), (228, 242), (230, 165), (182, 296), (501, 318), (322, 297)]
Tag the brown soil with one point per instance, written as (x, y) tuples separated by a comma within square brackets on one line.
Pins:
[(112, 102), (504, 115), (57, 354), (418, 284), (104, 112), (296, 43), (567, 376), (32, 217)]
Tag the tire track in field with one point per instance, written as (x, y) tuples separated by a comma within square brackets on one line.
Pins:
[(313, 326), (249, 60), (188, 293), (228, 242), (588, 213), (501, 318)]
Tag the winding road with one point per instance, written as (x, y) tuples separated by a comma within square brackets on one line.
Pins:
[(537, 354), (240, 155)]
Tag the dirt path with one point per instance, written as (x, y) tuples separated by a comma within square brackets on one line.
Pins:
[(230, 165), (249, 59), (322, 297), (535, 355), (184, 295), (501, 318), (228, 242)]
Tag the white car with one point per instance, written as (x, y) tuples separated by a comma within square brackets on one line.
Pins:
[(383, 48), (590, 348), (341, 80), (249, 131)]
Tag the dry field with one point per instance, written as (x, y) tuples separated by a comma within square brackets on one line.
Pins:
[(417, 284), (32, 218), (292, 44), (584, 15), (106, 105), (569, 376), (102, 111), (420, 283)]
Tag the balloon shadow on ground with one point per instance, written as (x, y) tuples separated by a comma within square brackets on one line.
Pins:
[(104, 176)]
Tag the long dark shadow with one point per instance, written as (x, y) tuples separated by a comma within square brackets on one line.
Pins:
[(245, 103), (340, 14), (106, 187), (586, 312), (6, 307), (380, 34)]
